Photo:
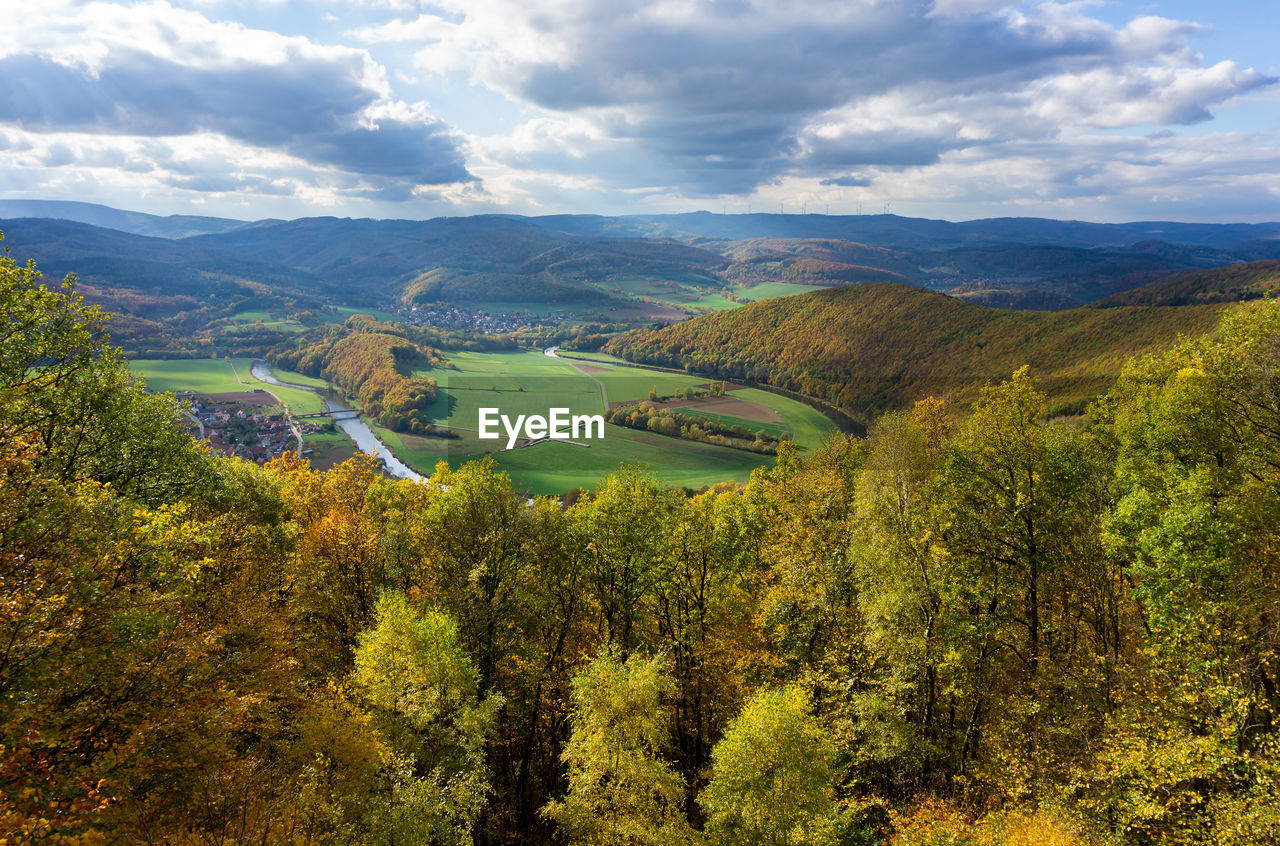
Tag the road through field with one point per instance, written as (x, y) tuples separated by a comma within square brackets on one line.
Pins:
[(550, 352)]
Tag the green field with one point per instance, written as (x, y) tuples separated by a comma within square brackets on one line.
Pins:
[(762, 291), (713, 302), (202, 375), (521, 382), (809, 427), (529, 382), (768, 290), (251, 316), (777, 430), (556, 467), (630, 384), (252, 321), (553, 468), (589, 357), (339, 314), (298, 379), (218, 376)]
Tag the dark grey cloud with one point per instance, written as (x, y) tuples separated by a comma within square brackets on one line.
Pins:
[(850, 181), (887, 148), (310, 107), (727, 94)]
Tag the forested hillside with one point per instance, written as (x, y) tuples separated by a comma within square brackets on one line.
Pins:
[(373, 362), (972, 627), (870, 348), (1231, 284)]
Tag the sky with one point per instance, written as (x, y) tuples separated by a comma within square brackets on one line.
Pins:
[(1105, 110)]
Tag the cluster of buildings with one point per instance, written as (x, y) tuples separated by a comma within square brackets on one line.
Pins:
[(473, 320), (233, 427)]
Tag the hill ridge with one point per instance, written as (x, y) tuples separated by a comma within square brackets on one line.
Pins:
[(877, 346)]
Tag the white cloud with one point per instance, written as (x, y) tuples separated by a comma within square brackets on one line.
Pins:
[(425, 27), (731, 96), (152, 70), (628, 104)]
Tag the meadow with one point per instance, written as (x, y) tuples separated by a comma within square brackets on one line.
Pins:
[(750, 293), (530, 382), (223, 376)]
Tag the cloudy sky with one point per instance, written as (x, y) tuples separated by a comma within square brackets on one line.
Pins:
[(1099, 110)]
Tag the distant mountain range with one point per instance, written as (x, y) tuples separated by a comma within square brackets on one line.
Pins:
[(136, 223), (179, 273), (881, 229), (895, 231)]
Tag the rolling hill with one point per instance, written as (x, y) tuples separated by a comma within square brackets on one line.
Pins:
[(135, 223), (628, 269), (1235, 283), (893, 230), (872, 347)]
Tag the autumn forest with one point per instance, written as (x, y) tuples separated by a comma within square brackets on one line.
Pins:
[(979, 624)]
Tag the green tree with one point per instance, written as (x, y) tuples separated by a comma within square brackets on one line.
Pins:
[(1020, 503), (1193, 751), (621, 791), (144, 685), (422, 691), (622, 530), (771, 782), (896, 727), (703, 614)]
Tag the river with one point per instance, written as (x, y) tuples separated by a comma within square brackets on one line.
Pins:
[(355, 428)]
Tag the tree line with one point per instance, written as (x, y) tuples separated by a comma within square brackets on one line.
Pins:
[(673, 423), (973, 626)]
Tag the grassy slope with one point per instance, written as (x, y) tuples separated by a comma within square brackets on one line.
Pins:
[(871, 347), (809, 427), (204, 375), (555, 467), (767, 290)]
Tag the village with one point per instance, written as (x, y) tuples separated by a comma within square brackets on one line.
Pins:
[(249, 425), (444, 316)]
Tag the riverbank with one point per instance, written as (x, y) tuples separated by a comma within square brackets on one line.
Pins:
[(351, 425)]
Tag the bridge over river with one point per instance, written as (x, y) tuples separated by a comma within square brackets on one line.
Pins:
[(351, 413), (351, 424)]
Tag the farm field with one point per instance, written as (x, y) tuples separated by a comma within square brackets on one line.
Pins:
[(530, 382), (589, 357), (219, 376), (522, 382), (761, 291), (809, 427), (252, 321), (551, 467), (203, 375), (768, 290)]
